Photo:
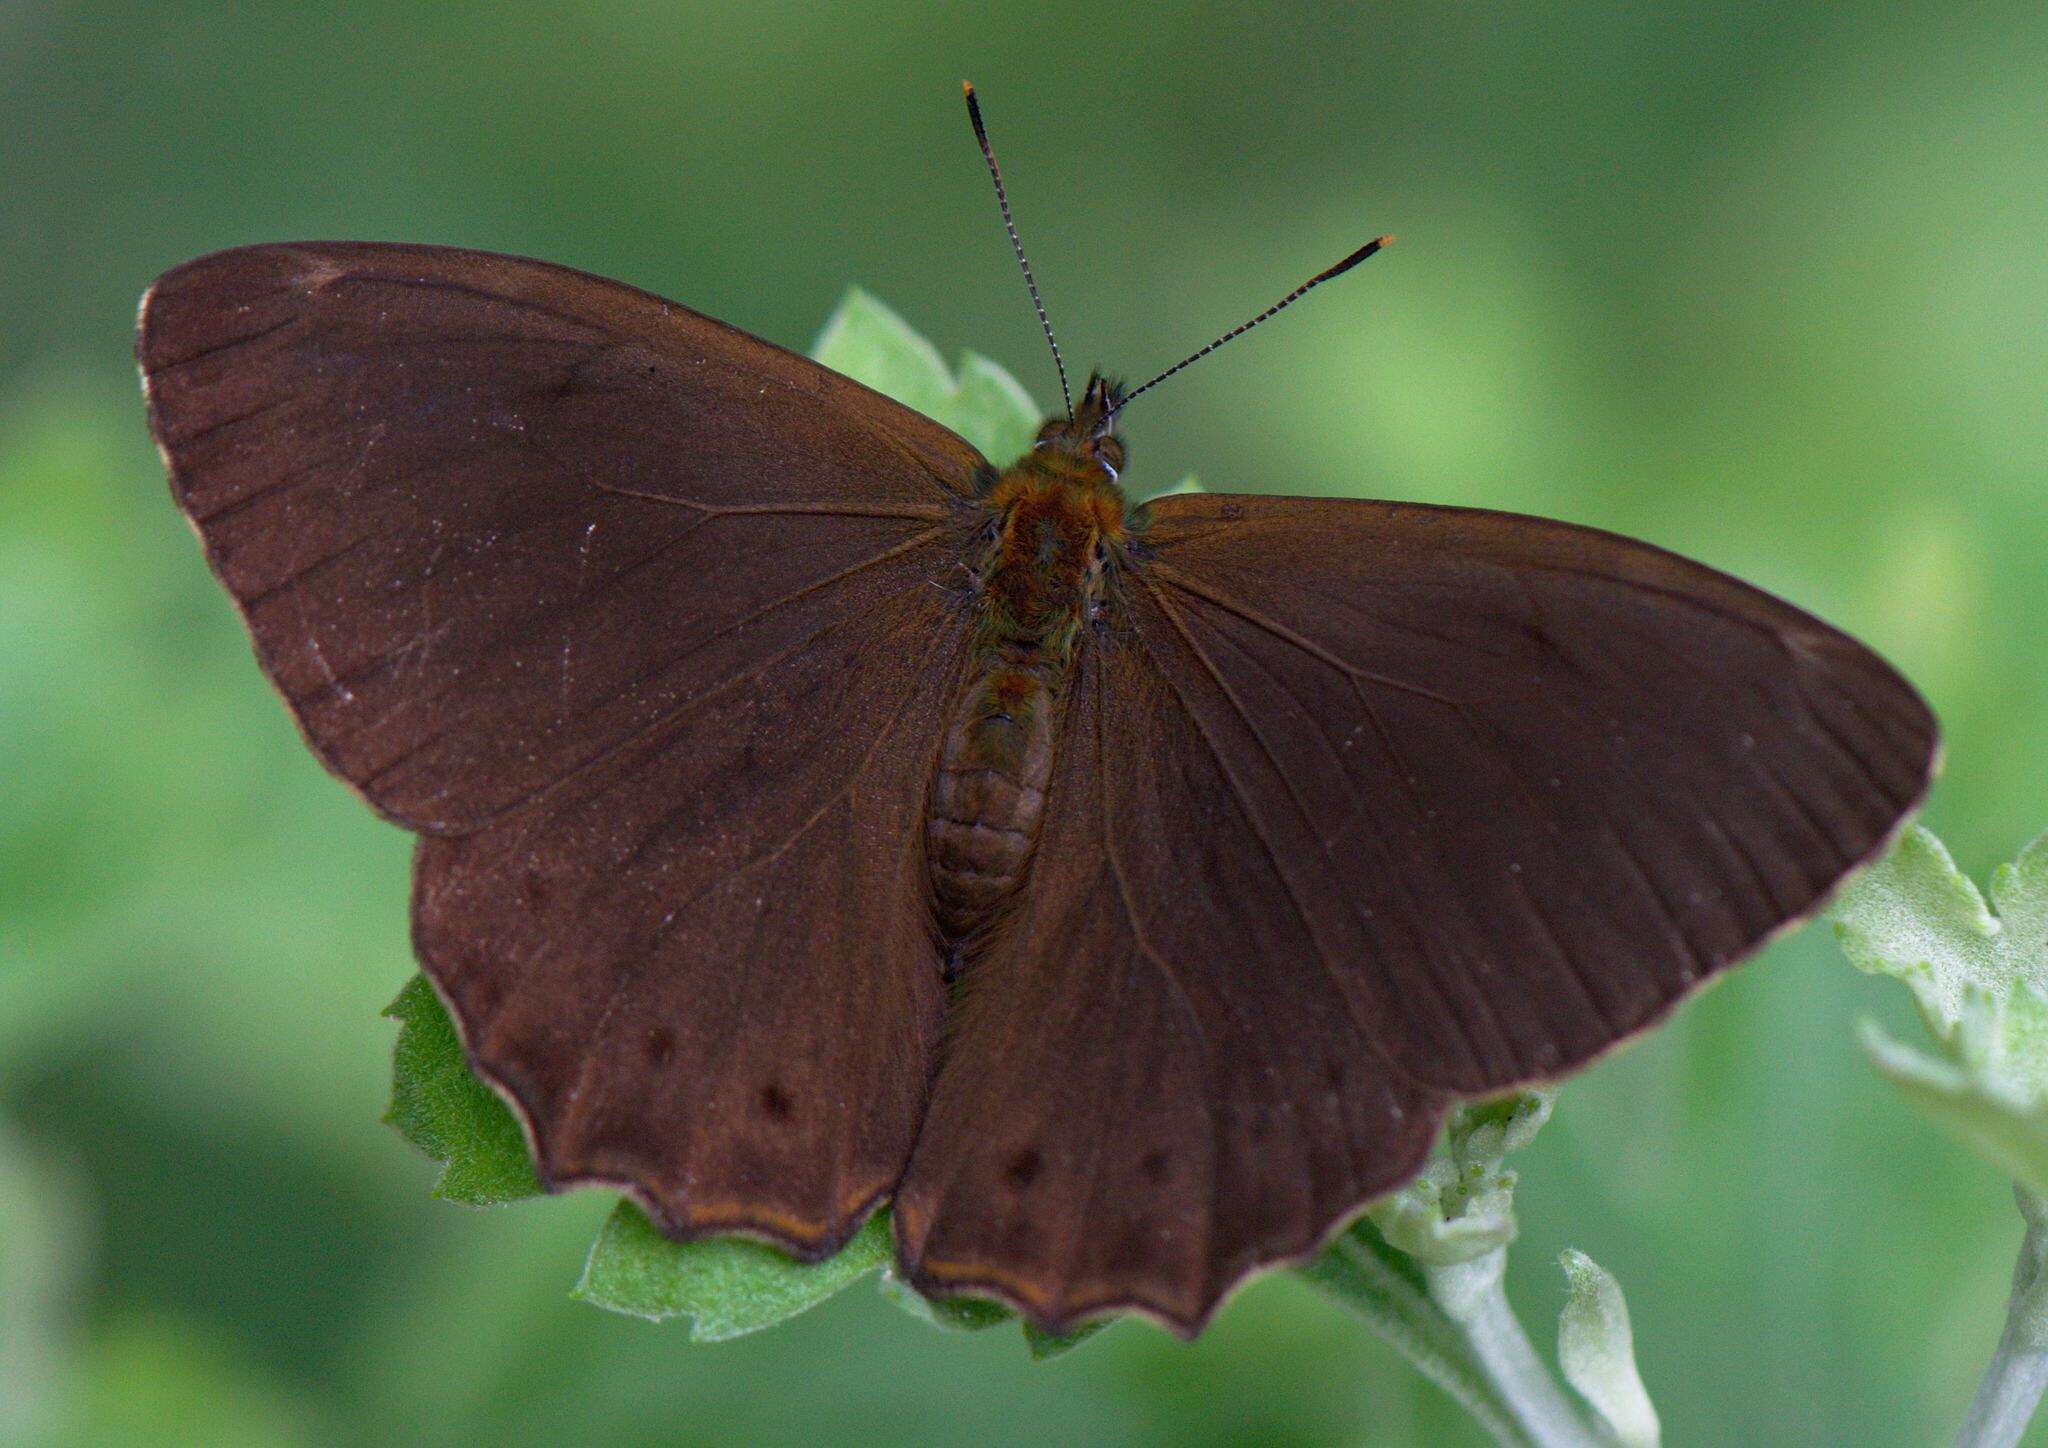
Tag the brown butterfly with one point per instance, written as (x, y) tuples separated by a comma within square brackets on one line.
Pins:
[(815, 816)]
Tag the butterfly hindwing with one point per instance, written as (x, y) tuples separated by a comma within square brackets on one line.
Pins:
[(704, 969), (1151, 1087)]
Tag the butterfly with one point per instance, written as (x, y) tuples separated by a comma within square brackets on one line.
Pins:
[(815, 815)]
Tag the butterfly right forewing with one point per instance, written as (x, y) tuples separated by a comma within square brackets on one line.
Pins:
[(1530, 783)]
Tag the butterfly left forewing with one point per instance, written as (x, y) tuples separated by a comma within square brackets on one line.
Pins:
[(487, 517)]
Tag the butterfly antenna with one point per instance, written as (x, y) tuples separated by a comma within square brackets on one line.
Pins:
[(995, 173), (1285, 302)]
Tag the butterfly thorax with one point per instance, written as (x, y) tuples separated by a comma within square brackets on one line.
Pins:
[(1054, 515)]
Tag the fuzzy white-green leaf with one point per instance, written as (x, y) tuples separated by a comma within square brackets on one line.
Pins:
[(1597, 1353), (2005, 1125), (1462, 1205), (1979, 971), (1917, 918)]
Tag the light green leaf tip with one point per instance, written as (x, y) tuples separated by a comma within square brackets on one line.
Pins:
[(726, 1287), (1596, 1351), (442, 1109), (956, 1314), (1188, 484), (1045, 1345), (869, 342), (1981, 980)]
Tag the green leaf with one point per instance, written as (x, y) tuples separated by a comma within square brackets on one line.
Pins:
[(1047, 1345), (951, 1314), (1596, 1351), (727, 1286), (2005, 1126), (1981, 980), (442, 1109), (971, 1314), (992, 410), (869, 342)]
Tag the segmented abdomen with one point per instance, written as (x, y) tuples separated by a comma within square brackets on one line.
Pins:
[(989, 796)]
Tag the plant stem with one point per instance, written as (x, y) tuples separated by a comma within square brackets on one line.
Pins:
[(1383, 1288), (2012, 1384), (1474, 1296), (1455, 1325)]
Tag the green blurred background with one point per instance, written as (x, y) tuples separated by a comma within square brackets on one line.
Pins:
[(1763, 283)]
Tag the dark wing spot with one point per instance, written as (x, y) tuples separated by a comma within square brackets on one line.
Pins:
[(1023, 1169), (1156, 1165), (775, 1101)]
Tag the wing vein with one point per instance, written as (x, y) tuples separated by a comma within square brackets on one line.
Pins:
[(1244, 804), (1278, 630)]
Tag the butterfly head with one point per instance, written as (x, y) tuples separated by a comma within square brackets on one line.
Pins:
[(1087, 440)]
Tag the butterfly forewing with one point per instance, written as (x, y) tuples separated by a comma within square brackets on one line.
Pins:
[(1526, 783), (636, 614), (488, 518)]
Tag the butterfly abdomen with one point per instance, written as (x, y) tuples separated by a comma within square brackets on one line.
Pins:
[(1036, 587), (989, 797)]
